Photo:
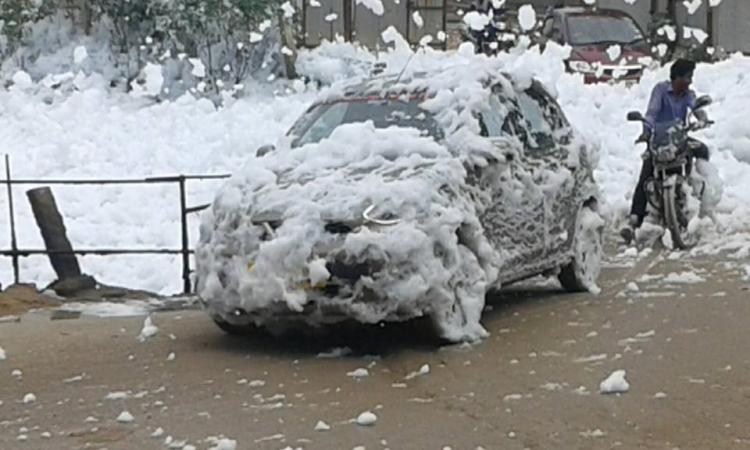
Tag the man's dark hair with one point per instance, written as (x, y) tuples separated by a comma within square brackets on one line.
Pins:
[(681, 68)]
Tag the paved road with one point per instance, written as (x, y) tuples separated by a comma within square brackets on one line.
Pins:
[(533, 384)]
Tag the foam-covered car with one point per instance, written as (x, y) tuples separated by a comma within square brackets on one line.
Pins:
[(403, 197)]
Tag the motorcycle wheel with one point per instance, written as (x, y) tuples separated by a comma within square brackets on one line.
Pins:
[(672, 214)]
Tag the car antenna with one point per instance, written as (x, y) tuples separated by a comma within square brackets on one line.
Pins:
[(404, 69)]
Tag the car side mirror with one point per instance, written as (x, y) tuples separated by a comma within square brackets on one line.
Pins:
[(702, 102), (635, 116), (264, 149)]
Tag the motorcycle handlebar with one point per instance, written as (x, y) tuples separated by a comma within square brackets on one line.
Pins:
[(700, 125), (644, 137)]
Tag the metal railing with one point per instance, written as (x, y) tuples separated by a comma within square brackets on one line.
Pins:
[(15, 253)]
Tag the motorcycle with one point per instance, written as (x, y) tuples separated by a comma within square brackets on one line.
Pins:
[(500, 34), (671, 192)]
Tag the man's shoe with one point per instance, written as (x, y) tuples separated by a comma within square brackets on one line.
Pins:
[(627, 234)]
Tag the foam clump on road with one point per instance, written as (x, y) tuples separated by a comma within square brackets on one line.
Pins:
[(149, 330), (358, 373), (119, 395), (424, 370), (322, 426), (336, 352), (223, 444), (367, 418), (683, 278), (125, 417), (615, 383)]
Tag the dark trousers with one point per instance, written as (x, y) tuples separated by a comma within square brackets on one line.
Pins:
[(640, 200)]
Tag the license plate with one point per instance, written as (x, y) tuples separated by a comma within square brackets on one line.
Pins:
[(307, 286)]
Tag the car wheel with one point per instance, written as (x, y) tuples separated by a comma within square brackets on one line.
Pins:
[(457, 317), (582, 273)]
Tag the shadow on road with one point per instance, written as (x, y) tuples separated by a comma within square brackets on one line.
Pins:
[(380, 339)]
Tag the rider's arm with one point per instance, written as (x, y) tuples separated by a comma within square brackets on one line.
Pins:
[(654, 106), (700, 114)]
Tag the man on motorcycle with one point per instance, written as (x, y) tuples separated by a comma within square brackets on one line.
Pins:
[(486, 40), (670, 101)]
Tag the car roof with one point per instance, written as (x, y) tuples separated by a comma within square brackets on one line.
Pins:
[(415, 84), (591, 11), (387, 86)]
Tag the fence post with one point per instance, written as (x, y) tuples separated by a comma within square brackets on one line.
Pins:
[(13, 242), (51, 225), (185, 244)]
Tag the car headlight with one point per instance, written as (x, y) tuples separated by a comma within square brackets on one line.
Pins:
[(581, 66)]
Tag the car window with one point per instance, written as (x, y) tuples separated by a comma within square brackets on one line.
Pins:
[(540, 132), (320, 121), (501, 118), (588, 29), (306, 119), (323, 126), (551, 110), (493, 118)]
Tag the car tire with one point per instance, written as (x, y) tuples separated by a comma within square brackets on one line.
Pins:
[(582, 272), (457, 319)]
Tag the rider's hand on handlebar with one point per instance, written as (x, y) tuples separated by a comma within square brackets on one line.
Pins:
[(701, 124), (643, 137)]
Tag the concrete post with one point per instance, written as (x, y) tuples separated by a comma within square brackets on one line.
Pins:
[(69, 277)]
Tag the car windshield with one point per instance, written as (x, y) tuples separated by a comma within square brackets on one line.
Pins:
[(319, 122), (587, 29)]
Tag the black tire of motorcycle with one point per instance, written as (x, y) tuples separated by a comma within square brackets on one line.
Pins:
[(669, 200)]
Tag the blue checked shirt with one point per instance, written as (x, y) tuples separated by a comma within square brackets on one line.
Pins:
[(667, 107)]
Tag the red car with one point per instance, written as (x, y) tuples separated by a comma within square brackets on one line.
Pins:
[(608, 45)]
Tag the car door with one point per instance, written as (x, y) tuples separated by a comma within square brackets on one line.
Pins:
[(552, 163), (514, 218)]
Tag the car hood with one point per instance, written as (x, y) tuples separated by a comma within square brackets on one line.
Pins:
[(396, 172), (598, 54)]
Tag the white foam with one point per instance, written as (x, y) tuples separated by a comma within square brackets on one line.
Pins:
[(615, 383)]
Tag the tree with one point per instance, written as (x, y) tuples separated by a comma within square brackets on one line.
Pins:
[(15, 15)]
